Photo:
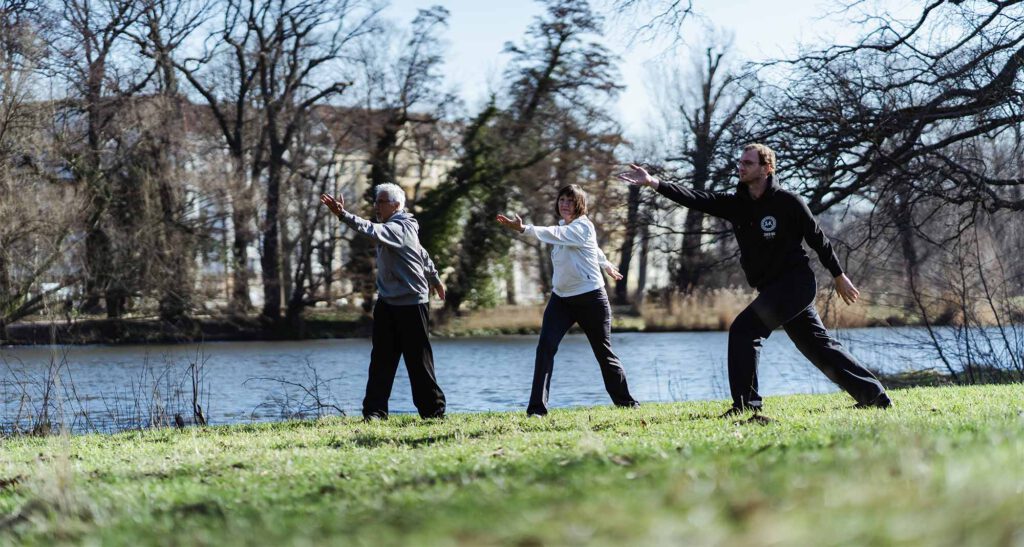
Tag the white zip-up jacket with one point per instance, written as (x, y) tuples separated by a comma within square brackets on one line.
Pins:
[(575, 256)]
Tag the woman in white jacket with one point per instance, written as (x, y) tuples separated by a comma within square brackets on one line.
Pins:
[(577, 296)]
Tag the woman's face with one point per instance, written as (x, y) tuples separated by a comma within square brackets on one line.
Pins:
[(566, 207)]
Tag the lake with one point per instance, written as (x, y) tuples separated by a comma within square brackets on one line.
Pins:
[(116, 387)]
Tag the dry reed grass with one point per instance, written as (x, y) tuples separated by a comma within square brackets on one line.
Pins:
[(497, 320), (703, 310)]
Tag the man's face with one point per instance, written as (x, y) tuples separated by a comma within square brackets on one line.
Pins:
[(750, 167), (384, 207)]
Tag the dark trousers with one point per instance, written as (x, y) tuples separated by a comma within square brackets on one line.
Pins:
[(401, 331), (789, 302), (594, 315)]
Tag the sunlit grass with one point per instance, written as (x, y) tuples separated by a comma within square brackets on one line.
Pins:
[(943, 467)]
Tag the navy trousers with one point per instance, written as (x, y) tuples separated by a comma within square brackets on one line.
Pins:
[(594, 315)]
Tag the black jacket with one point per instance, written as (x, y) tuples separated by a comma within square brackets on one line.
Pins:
[(768, 229)]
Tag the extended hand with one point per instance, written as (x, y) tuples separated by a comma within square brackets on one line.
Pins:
[(337, 206), (638, 176), (512, 224), (613, 271), (846, 290), (439, 290)]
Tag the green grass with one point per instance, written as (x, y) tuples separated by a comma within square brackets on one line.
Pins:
[(945, 466)]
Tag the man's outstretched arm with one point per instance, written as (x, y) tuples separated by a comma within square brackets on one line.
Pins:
[(390, 234), (713, 203)]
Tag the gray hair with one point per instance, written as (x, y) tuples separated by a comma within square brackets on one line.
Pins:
[(393, 191)]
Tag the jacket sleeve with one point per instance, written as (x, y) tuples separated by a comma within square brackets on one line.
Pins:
[(602, 260), (713, 203), (574, 234), (391, 234), (816, 239), (429, 270)]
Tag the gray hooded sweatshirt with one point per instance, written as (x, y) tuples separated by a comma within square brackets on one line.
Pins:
[(405, 272)]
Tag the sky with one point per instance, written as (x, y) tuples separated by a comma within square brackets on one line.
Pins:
[(478, 30)]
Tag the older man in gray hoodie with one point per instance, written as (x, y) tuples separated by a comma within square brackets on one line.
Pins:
[(405, 275)]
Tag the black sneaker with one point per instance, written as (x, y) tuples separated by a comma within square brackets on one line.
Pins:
[(882, 401), (758, 418), (437, 415), (733, 412)]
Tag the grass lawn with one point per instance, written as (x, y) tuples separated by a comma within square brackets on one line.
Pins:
[(945, 466)]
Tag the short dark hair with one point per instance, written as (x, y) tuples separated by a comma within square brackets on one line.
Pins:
[(579, 200)]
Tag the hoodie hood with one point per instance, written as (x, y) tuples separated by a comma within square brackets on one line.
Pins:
[(404, 216), (744, 193)]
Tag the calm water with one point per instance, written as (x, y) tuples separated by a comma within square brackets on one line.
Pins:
[(265, 380)]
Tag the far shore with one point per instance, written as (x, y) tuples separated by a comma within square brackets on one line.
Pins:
[(352, 323)]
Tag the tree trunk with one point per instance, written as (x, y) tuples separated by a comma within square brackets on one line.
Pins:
[(325, 257), (270, 260), (692, 264), (241, 221), (641, 278), (288, 283), (175, 300), (510, 285), (903, 218), (544, 268), (626, 251)]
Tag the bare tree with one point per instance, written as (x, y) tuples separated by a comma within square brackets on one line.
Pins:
[(711, 131), (658, 17), (161, 31), (35, 233), (91, 39), (904, 104), (224, 75), (298, 46), (314, 170)]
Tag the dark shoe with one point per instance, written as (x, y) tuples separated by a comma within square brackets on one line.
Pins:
[(374, 417), (761, 419), (631, 404), (733, 412), (882, 401)]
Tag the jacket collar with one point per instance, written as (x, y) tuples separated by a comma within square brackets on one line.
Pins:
[(744, 193), (561, 222)]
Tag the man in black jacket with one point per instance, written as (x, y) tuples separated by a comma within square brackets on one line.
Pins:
[(770, 223)]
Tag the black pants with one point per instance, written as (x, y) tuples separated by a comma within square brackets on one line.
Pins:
[(789, 302), (401, 331), (594, 315)]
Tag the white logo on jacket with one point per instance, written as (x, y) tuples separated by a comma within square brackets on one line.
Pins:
[(768, 225)]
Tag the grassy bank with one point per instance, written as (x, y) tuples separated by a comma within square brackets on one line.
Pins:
[(943, 467)]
